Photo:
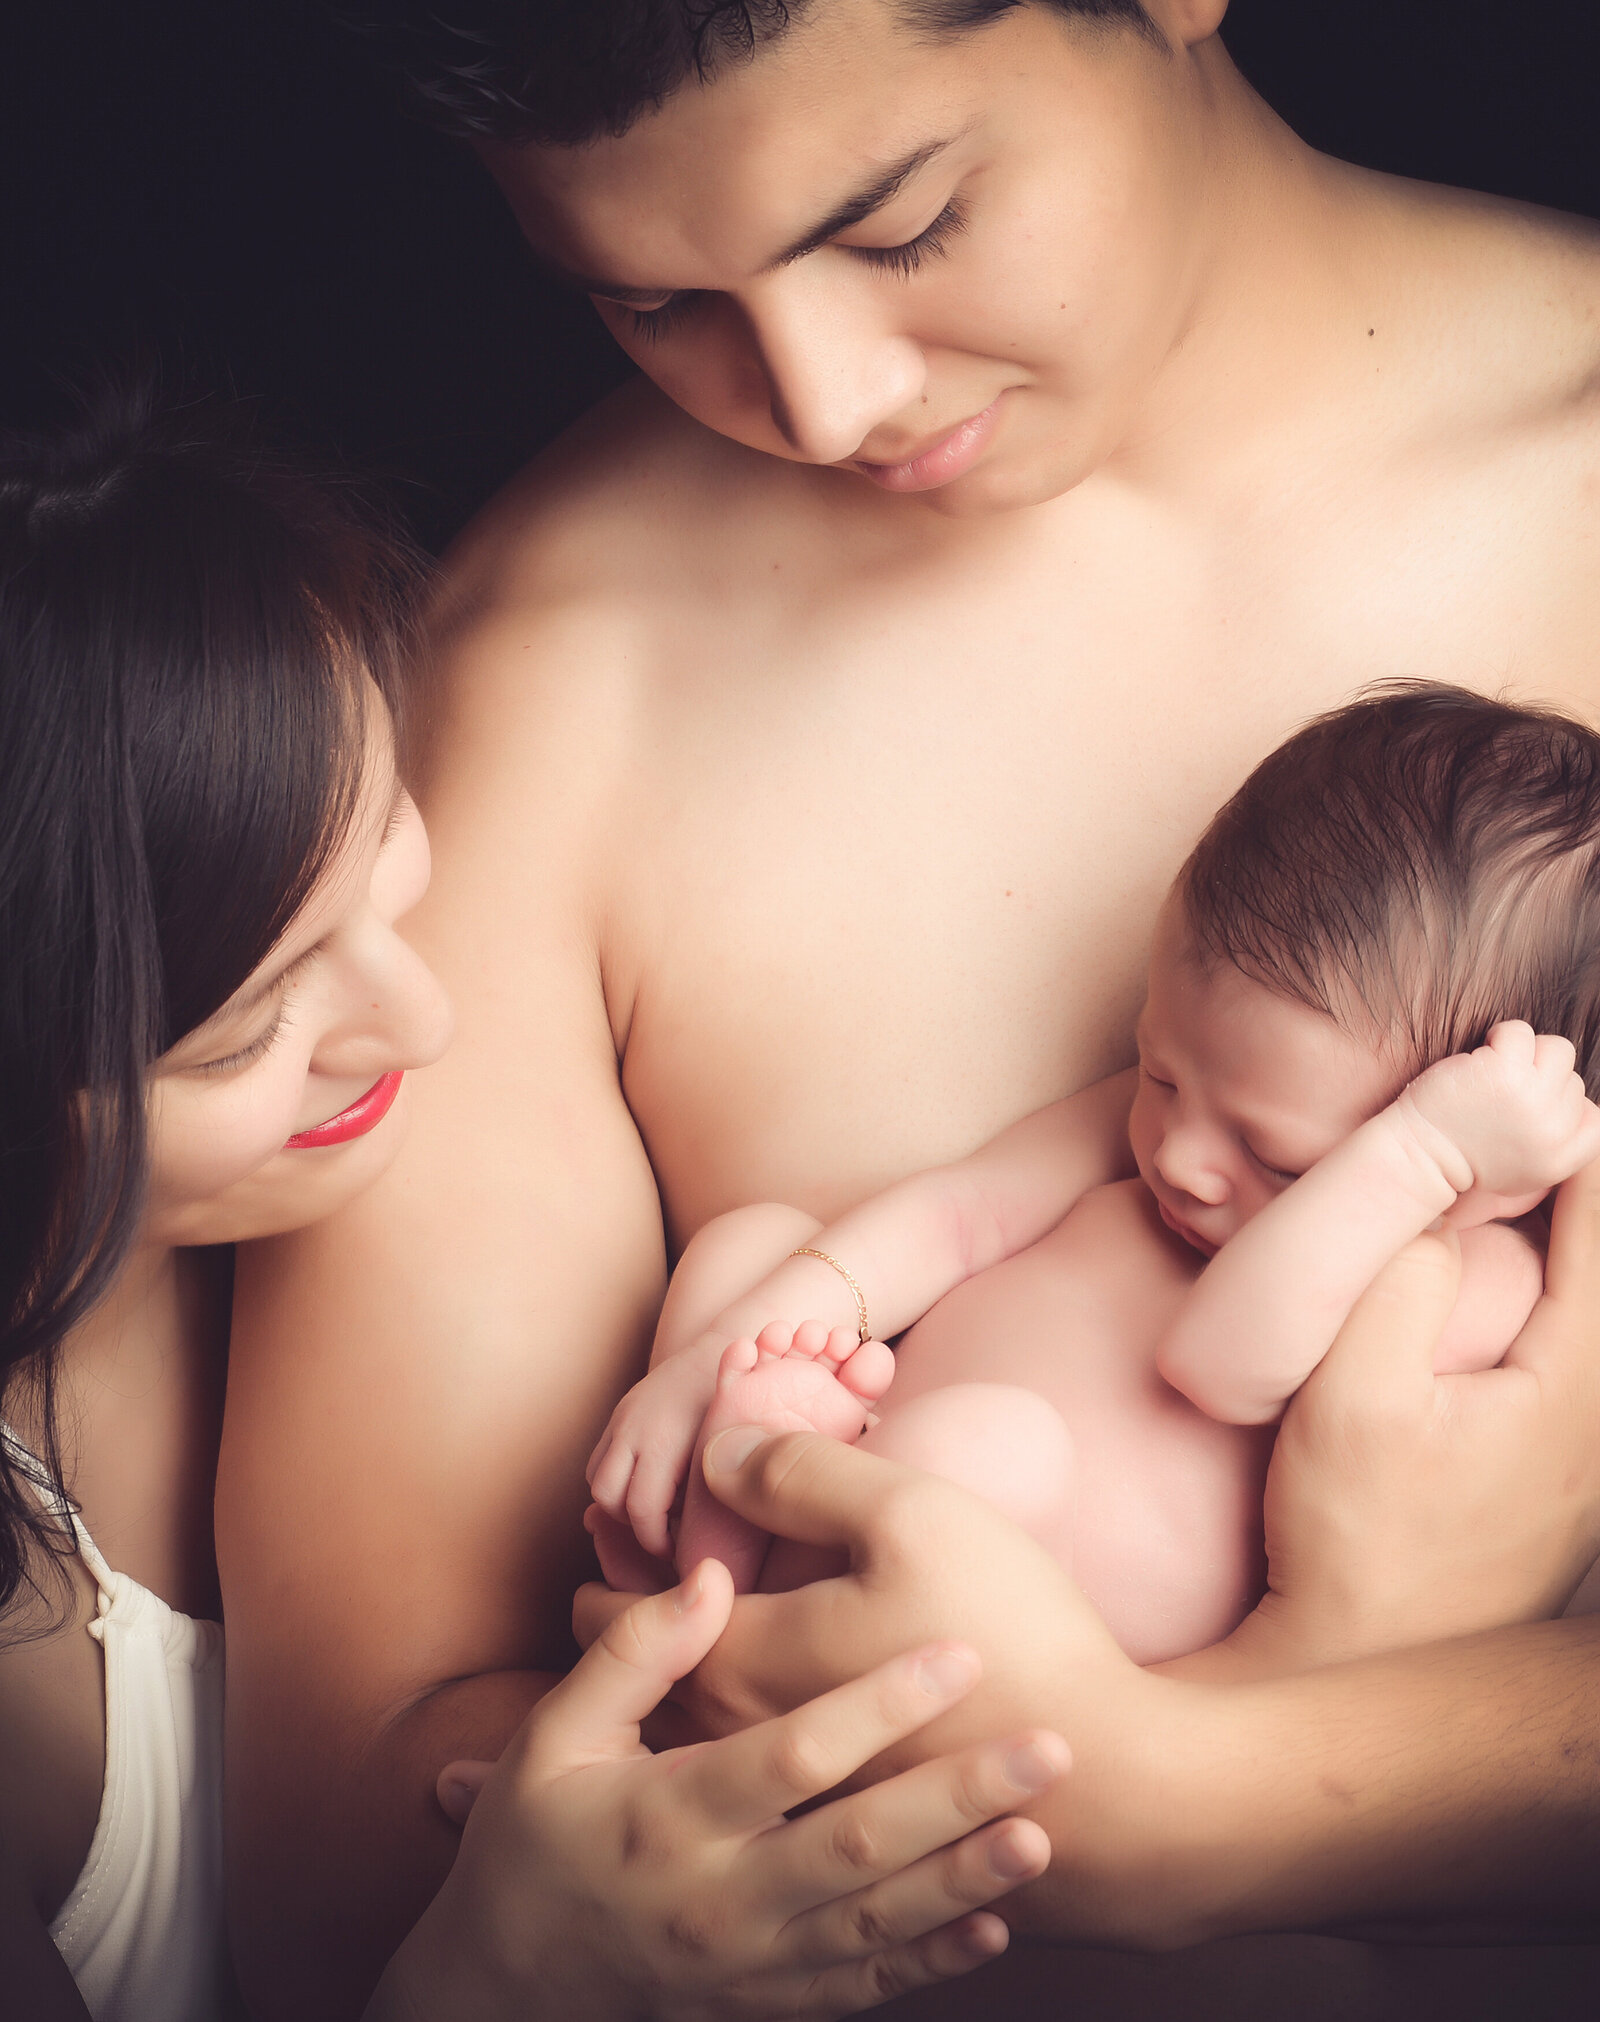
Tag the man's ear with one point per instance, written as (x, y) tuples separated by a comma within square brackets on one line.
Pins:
[(1187, 21)]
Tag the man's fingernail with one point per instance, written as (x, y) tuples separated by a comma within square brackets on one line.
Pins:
[(942, 1672), (689, 1591), (731, 1449)]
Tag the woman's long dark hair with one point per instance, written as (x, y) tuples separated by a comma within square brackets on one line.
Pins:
[(186, 628)]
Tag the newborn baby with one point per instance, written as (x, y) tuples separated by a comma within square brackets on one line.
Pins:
[(1368, 989)]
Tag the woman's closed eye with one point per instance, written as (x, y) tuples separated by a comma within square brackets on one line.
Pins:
[(247, 1056), (263, 1043)]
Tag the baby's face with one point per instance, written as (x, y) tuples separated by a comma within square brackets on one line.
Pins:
[(1240, 1090)]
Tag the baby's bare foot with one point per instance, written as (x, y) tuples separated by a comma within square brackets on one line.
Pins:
[(791, 1379)]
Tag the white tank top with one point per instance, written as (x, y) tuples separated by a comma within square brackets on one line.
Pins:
[(142, 1930)]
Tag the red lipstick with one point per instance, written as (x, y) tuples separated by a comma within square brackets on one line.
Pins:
[(364, 1114)]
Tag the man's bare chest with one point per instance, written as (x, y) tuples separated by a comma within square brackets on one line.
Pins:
[(910, 897)]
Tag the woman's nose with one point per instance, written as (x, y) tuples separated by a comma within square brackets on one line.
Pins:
[(397, 1015), (833, 371)]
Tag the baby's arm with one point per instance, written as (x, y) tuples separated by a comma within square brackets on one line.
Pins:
[(905, 1248), (1501, 1125)]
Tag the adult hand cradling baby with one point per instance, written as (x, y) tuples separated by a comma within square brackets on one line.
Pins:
[(1402, 1507)]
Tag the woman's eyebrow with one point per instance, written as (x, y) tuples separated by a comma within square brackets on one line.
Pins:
[(854, 210), (257, 993)]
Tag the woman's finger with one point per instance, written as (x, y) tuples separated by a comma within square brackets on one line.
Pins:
[(942, 1955), (595, 1711), (747, 1780), (458, 1786), (888, 1833), (927, 1897), (595, 1606)]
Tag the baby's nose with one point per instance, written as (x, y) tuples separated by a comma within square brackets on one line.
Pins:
[(1183, 1165)]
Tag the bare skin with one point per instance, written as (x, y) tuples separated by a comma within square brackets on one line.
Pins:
[(793, 834)]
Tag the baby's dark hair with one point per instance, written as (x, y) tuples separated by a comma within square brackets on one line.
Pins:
[(187, 630), (1419, 866)]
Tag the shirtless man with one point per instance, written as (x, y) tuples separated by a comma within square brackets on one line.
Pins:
[(1037, 432)]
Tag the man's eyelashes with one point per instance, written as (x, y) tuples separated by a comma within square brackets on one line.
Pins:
[(902, 261)]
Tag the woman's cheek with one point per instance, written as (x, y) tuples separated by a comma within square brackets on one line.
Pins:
[(204, 1141)]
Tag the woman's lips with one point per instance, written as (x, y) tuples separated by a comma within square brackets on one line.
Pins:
[(364, 1114), (948, 459)]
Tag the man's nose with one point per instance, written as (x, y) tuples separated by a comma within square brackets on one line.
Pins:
[(833, 371), (1183, 1162)]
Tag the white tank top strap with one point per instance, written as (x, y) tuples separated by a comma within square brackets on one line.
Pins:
[(142, 1929)]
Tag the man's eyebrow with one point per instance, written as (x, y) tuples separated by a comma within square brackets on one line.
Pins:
[(855, 209), (869, 198)]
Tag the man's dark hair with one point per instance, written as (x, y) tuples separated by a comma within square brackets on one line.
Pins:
[(187, 630), (568, 71), (1421, 864)]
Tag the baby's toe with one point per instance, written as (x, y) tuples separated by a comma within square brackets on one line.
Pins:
[(811, 1339), (775, 1338)]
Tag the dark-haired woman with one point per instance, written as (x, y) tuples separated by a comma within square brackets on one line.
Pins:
[(206, 1014)]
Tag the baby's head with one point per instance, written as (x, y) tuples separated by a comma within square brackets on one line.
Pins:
[(1389, 884)]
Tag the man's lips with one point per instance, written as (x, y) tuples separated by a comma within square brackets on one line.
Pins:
[(364, 1114), (947, 457)]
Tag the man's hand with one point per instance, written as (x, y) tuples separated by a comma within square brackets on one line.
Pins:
[(1403, 1507)]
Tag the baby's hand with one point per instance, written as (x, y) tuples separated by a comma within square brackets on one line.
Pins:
[(635, 1472), (597, 1882), (1510, 1119), (788, 1376)]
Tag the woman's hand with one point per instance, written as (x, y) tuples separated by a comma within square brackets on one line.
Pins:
[(1403, 1507), (927, 1558), (597, 1881)]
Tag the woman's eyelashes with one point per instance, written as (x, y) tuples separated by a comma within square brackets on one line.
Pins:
[(247, 1056), (931, 243), (263, 1043)]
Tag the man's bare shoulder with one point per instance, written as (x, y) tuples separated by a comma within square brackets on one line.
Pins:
[(1510, 297), (637, 501)]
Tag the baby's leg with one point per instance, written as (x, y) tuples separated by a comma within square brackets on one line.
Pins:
[(1004, 1443), (810, 1378)]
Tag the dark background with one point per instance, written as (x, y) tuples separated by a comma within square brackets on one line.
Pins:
[(229, 182)]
